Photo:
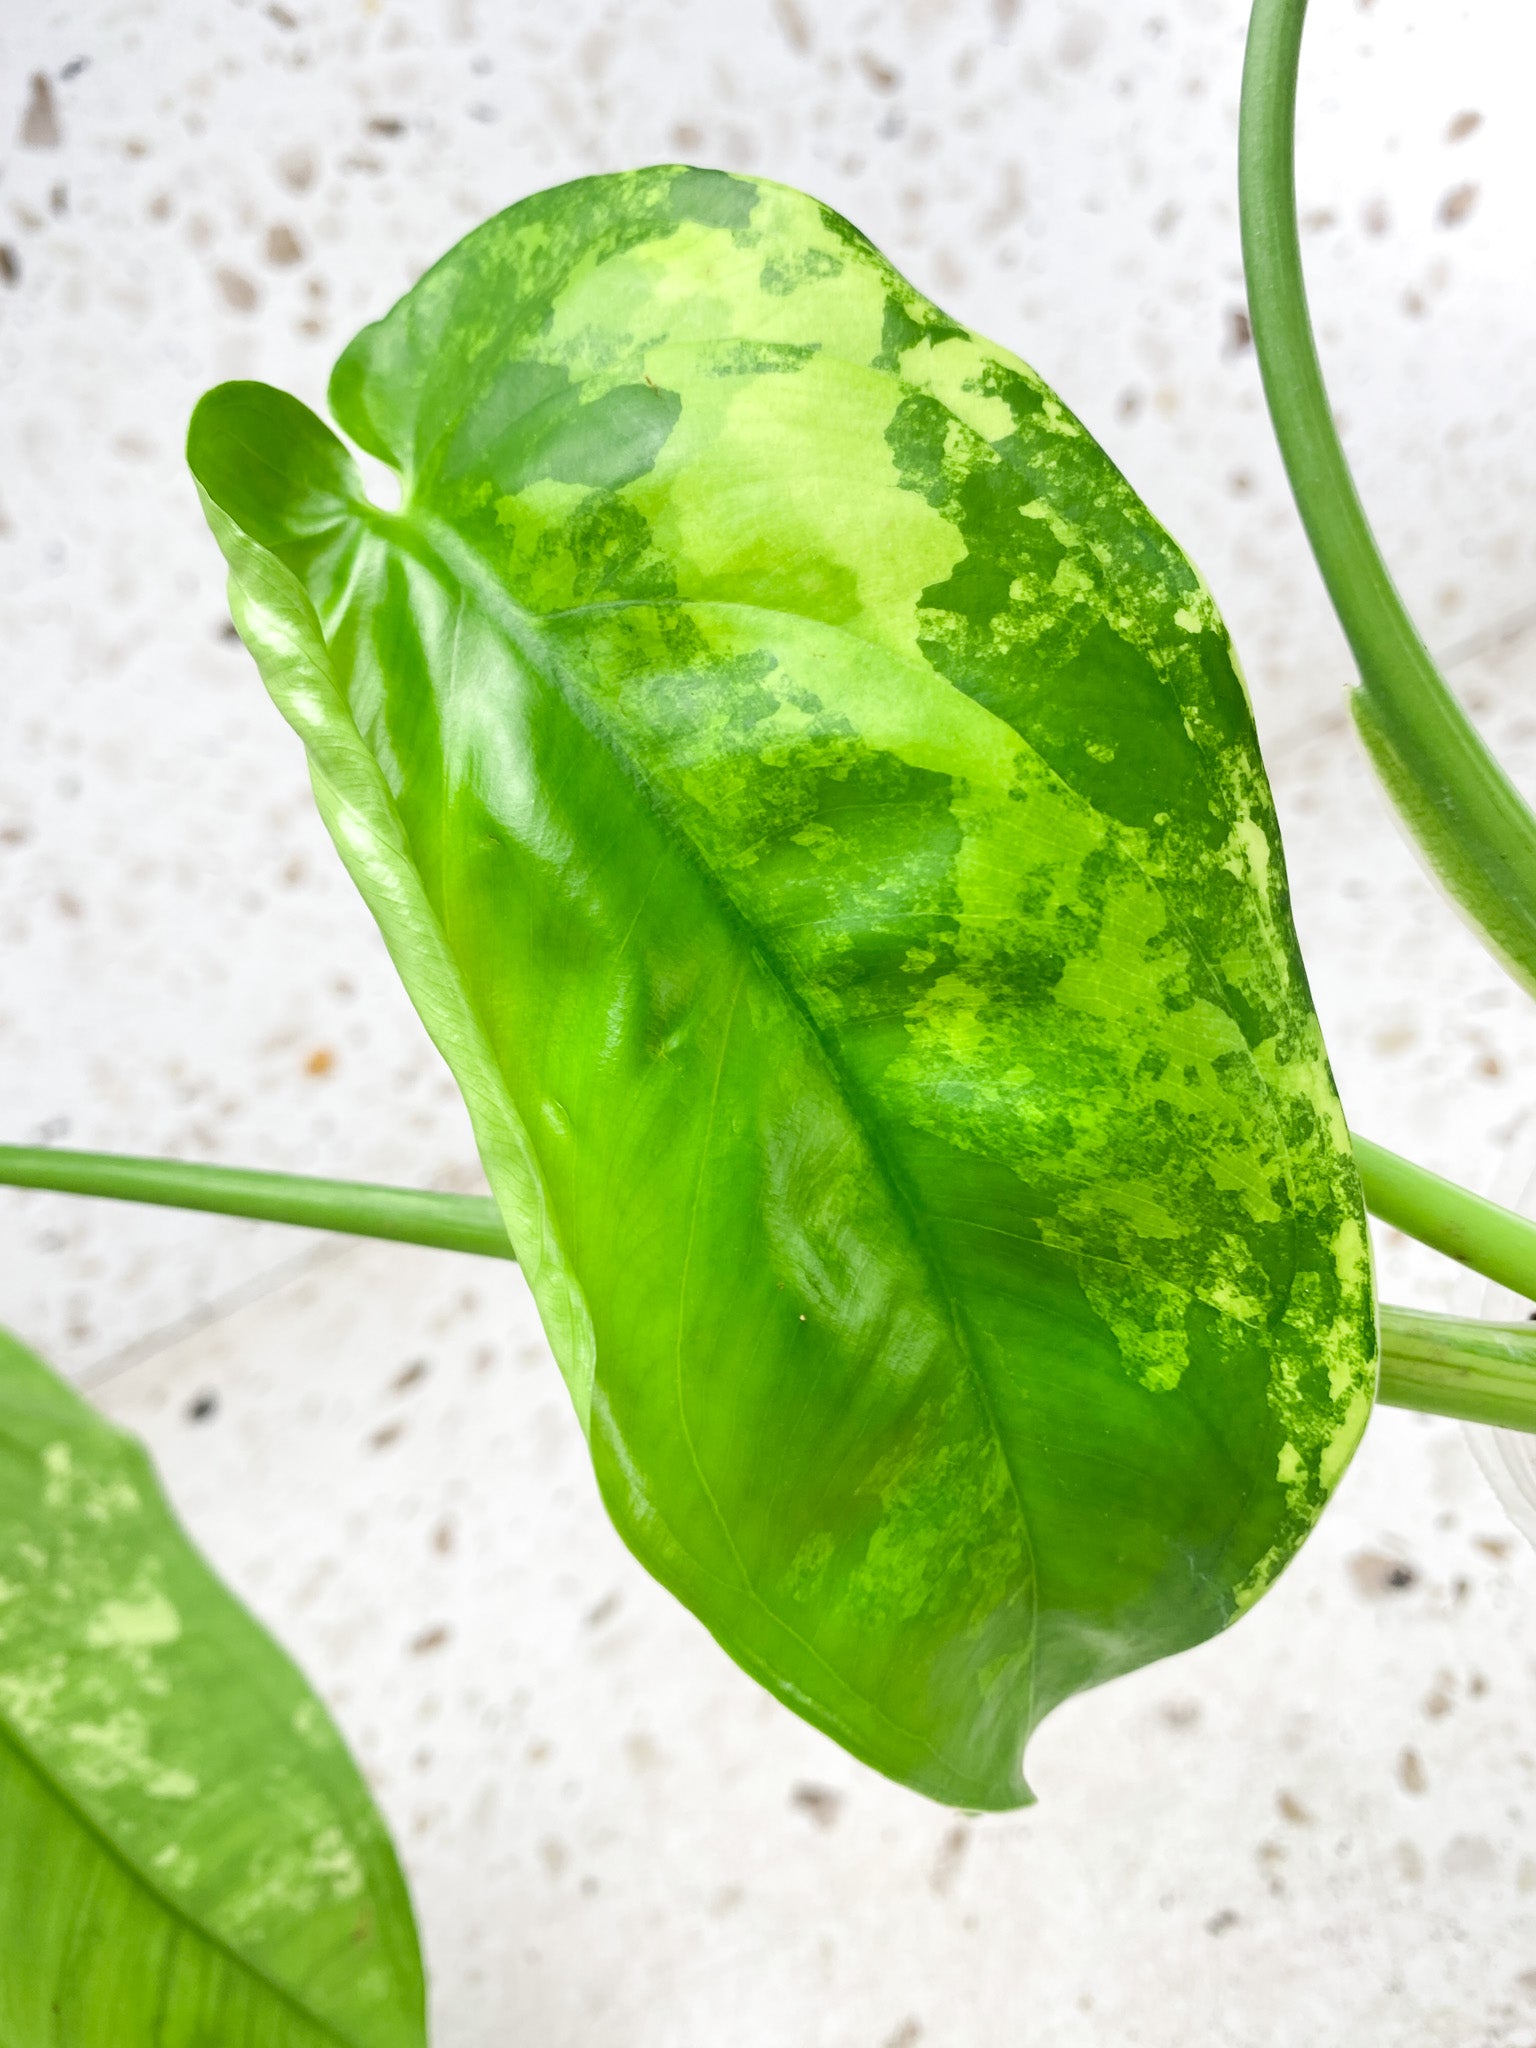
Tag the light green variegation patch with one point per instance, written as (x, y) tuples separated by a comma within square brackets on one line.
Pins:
[(189, 1854), (817, 811)]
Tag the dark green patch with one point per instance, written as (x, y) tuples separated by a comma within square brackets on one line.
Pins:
[(782, 275), (901, 329), (1111, 728), (604, 443), (715, 199), (761, 358), (496, 429)]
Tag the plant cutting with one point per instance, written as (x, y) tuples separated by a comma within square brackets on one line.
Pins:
[(816, 812)]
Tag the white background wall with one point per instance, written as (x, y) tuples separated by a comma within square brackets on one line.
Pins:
[(1321, 1829)]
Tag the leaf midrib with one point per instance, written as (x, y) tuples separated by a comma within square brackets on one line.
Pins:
[(1006, 451), (445, 540), (172, 1907), (464, 569)]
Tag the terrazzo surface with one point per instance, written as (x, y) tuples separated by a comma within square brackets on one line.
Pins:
[(1321, 1828)]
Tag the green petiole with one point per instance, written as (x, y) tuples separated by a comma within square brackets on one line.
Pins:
[(1450, 1219), (1470, 822), (1479, 1372), (449, 1223), (1446, 1365)]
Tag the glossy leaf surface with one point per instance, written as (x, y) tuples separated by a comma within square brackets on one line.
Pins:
[(188, 1856), (814, 808)]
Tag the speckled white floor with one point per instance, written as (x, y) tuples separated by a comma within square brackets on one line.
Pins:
[(1320, 1830)]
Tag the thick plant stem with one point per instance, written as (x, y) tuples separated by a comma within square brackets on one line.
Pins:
[(1477, 1233), (1469, 820), (1477, 1372), (1482, 1372), (454, 1223)]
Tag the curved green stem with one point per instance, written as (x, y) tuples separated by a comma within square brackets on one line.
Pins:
[(1477, 1233), (1483, 1372), (1470, 821), (453, 1223)]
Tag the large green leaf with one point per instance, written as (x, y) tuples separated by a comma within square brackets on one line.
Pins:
[(188, 1857), (814, 808)]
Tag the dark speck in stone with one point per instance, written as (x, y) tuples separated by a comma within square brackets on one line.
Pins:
[(819, 1802)]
